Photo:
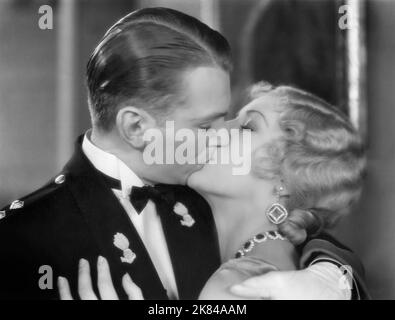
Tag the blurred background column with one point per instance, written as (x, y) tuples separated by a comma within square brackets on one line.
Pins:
[(356, 65), (66, 74), (210, 14)]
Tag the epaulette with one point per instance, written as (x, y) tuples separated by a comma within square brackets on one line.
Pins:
[(20, 204)]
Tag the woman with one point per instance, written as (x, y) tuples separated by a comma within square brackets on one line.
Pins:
[(308, 163), (306, 157)]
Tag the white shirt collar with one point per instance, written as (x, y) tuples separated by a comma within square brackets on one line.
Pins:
[(110, 165)]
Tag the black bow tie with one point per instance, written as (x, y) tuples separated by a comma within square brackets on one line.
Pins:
[(161, 194), (139, 196)]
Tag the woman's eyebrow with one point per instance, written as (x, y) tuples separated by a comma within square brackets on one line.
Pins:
[(261, 114), (240, 113), (214, 116)]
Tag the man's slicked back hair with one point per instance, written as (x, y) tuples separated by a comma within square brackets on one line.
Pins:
[(141, 58)]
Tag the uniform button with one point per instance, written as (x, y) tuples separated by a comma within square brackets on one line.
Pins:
[(17, 204), (60, 179)]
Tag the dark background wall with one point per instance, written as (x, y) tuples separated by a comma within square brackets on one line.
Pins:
[(28, 96), (27, 100), (370, 231)]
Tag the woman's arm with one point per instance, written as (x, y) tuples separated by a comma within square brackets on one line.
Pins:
[(323, 263), (217, 287), (232, 273)]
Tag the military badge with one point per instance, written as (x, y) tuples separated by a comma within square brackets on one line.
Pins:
[(122, 243), (17, 204), (182, 211)]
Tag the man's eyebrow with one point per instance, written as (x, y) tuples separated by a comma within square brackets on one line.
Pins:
[(214, 116)]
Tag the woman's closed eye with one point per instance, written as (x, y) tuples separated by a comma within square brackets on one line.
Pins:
[(254, 121), (205, 126), (248, 124)]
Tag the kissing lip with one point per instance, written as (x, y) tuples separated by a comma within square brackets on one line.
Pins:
[(210, 156), (191, 172)]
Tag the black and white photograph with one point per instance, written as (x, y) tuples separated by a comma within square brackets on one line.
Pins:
[(209, 150)]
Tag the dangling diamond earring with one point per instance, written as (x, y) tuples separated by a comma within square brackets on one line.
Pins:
[(277, 213)]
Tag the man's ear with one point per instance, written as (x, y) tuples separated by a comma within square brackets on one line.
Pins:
[(131, 123)]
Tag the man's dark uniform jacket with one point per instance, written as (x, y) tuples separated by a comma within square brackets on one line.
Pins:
[(76, 215)]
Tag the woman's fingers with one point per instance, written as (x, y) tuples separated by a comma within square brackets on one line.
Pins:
[(64, 289), (104, 281), (132, 290), (84, 281)]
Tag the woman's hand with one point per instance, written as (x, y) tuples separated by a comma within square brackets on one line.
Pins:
[(317, 282), (104, 283)]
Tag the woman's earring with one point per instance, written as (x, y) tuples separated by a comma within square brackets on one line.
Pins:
[(277, 213)]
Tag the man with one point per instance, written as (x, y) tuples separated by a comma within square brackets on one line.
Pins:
[(153, 65)]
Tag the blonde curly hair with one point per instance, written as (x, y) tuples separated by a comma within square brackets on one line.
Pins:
[(320, 159)]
